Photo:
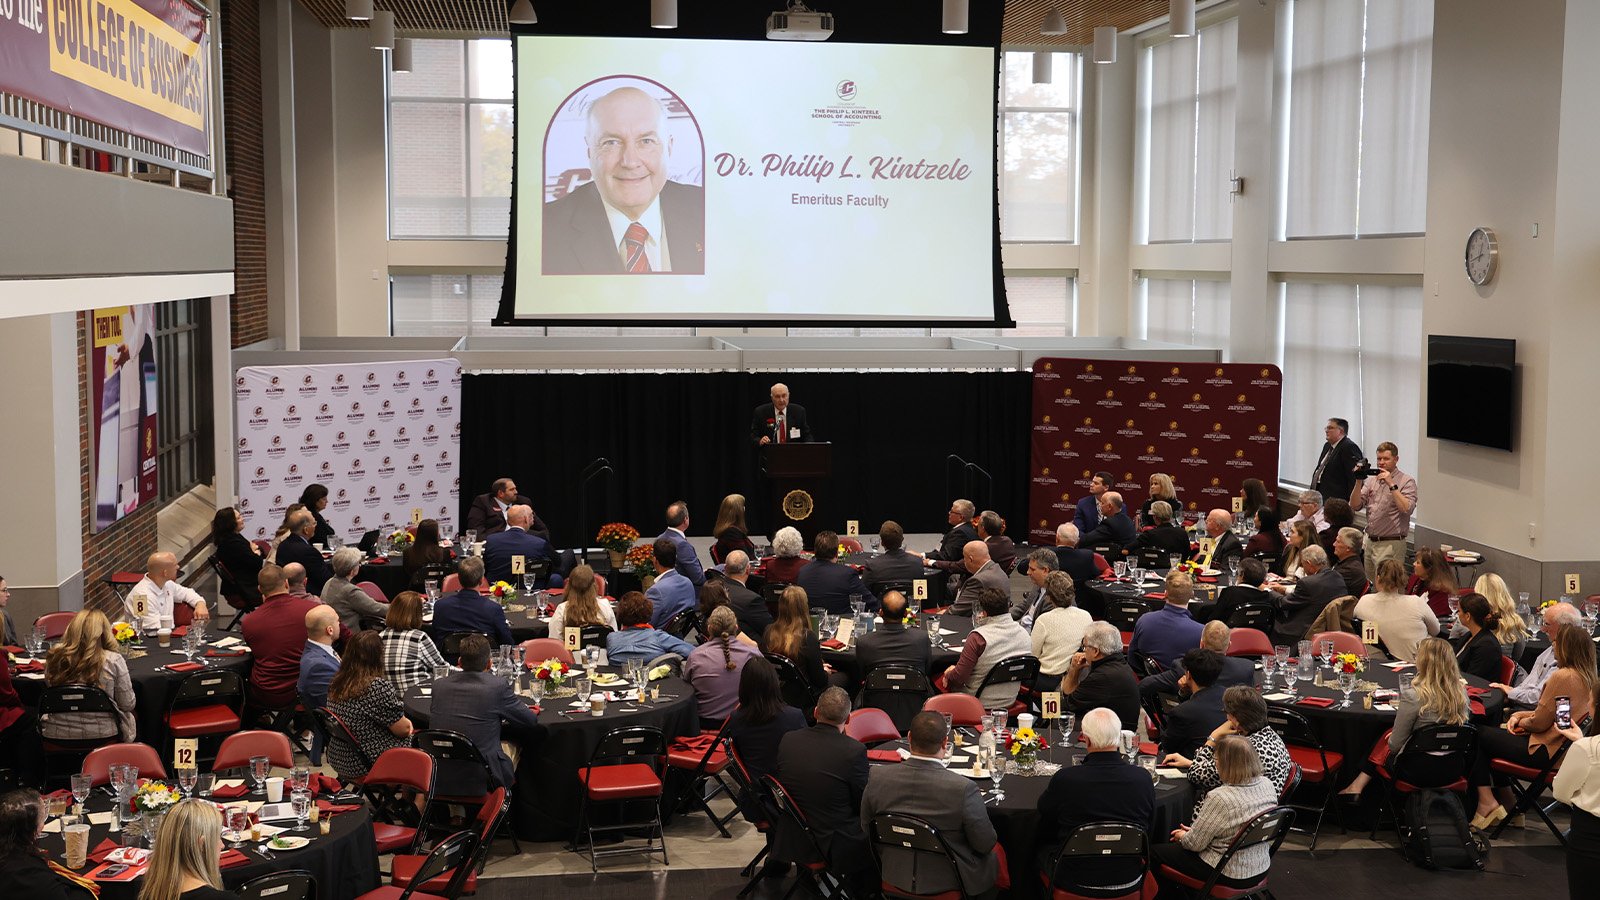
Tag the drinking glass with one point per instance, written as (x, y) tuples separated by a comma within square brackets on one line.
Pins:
[(1233, 569), (1347, 683), (1173, 561), (1327, 650), (1138, 573), (190, 645), (950, 732), (582, 683), (1455, 605), (997, 773), (1523, 604), (1148, 763), (237, 821), (1307, 668), (203, 784), (1407, 688), (335, 542), (1305, 649), (1068, 721), (536, 687), (300, 778), (857, 604), (1120, 569), (915, 606), (81, 786), (1281, 651), (527, 582), (876, 546), (933, 629), (1269, 665), (259, 767), (1129, 745), (439, 672), (431, 588), (471, 537), (300, 802), (187, 776), (119, 777), (36, 641)]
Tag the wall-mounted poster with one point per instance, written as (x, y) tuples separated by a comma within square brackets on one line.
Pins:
[(122, 410)]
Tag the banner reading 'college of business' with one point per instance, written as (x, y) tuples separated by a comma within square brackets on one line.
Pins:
[(136, 65)]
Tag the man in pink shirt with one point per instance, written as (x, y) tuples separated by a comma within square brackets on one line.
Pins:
[(1389, 496)]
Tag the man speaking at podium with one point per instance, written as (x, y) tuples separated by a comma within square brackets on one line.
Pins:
[(780, 422)]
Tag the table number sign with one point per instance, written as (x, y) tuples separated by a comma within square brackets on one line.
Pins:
[(184, 752), (1572, 583), (141, 604), (1238, 505), (847, 627), (572, 637), (852, 527), (1050, 704), (519, 564), (1369, 632), (919, 589)]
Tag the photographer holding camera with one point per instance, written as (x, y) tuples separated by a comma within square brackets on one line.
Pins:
[(1389, 496)]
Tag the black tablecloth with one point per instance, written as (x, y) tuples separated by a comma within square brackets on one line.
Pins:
[(153, 688), (547, 794), (524, 627), (390, 577), (344, 862), (944, 655)]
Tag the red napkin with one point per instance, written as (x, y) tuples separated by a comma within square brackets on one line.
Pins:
[(1475, 707), (231, 858), (17, 650), (1149, 748), (32, 665), (321, 783), (883, 755), (232, 792), (184, 667), (1321, 702), (1208, 579), (224, 653), (326, 808), (98, 854), (378, 561), (180, 631), (1476, 691), (1157, 595), (833, 644), (62, 794)]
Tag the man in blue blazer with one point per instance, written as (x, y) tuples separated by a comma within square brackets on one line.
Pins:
[(517, 540), (318, 664), (296, 548), (1087, 514), (828, 582), (677, 525), (672, 592), (481, 706), (468, 610)]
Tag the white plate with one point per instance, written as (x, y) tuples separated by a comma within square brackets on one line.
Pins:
[(287, 843)]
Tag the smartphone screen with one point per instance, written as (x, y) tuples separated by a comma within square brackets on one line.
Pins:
[(112, 871), (1563, 712)]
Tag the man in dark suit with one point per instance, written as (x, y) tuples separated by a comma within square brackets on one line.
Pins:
[(1115, 527), (1190, 722), (1347, 554), (922, 787), (677, 532), (1219, 527), (319, 662), (895, 564), (829, 583), (747, 605), (1315, 589), (991, 530), (1087, 515), (468, 610), (1336, 465), (487, 514), (1103, 787), (1252, 572), (962, 532), (825, 771), (779, 422), (1235, 669), (892, 642), (630, 219), (1082, 564), (1164, 540), (481, 706), (296, 548), (516, 540)]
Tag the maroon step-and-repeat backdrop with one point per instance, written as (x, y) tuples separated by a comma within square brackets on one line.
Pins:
[(1208, 425)]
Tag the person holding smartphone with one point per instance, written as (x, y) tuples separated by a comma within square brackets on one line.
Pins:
[(1531, 737), (1577, 785), (23, 872)]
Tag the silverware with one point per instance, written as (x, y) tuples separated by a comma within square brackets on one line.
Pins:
[(265, 853)]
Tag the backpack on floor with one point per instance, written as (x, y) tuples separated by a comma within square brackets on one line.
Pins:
[(1436, 834)]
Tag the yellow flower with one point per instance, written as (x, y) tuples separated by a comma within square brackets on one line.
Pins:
[(1024, 734)]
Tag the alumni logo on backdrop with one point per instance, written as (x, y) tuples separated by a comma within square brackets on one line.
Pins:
[(416, 410), (340, 386), (356, 415), (401, 439), (430, 380), (275, 447), (416, 467), (386, 411), (274, 388), (291, 416), (241, 390), (308, 387), (324, 415), (372, 442), (430, 436), (341, 443), (308, 447), (370, 385)]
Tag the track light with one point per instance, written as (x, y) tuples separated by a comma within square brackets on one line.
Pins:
[(663, 13), (1053, 23), (358, 10), (382, 30), (400, 59), (955, 16), (1041, 66), (1180, 18), (1105, 44), (522, 13)]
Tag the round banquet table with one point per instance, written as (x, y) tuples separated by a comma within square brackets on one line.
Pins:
[(344, 861), (390, 576), (953, 631), (153, 686), (938, 581), (547, 794), (524, 627), (1016, 817)]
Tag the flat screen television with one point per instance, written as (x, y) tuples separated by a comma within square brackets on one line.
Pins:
[(1472, 390)]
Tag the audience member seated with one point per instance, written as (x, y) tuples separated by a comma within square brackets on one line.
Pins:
[(1267, 542), (20, 750), (894, 564), (481, 705), (468, 610), (9, 635), (517, 540), (983, 574), (409, 655), (295, 575), (922, 787), (892, 643), (581, 604), (1529, 737), (962, 532), (761, 719), (995, 637), (424, 552), (1347, 560), (1099, 675), (487, 514), (1309, 510), (1338, 514), (87, 654), (161, 592), (1477, 647), (713, 669), (315, 499), (635, 638), (825, 772), (1161, 491), (296, 548), (1512, 632), (1246, 716), (672, 592), (1252, 572), (1167, 633), (1438, 697), (356, 608), (1103, 787), (184, 854), (283, 532), (1187, 723), (319, 662), (1253, 497), (1164, 537), (1526, 693), (276, 633), (1301, 536), (992, 531), (730, 531), (1115, 530), (238, 555), (791, 637), (1244, 794), (749, 606), (1219, 528), (1432, 576), (1030, 604), (714, 596), (369, 706), (829, 583), (786, 562), (1058, 632), (1214, 637), (24, 873), (1315, 589), (1402, 620), (1082, 563), (687, 563)]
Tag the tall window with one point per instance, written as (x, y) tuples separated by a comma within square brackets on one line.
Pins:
[(1182, 311), (1358, 117), (183, 377), (450, 141), (1350, 351), (1187, 102), (1039, 150)]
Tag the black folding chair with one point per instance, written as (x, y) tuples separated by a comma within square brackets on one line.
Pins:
[(898, 690), (1101, 861), (290, 884), (792, 683), (454, 752), (1528, 784), (879, 588), (229, 588), (1435, 757), (1124, 613), (696, 768), (593, 635), (920, 855), (79, 699), (771, 593), (452, 855), (336, 731), (1255, 614), (681, 624), (755, 805), (452, 645), (1153, 558), (789, 817), (1020, 670), (1269, 828)]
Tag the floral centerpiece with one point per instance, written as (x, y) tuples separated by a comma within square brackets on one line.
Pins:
[(1349, 663), (1547, 604), (124, 633), (503, 592), (616, 538), (1190, 568), (1025, 747), (552, 670), (640, 561), (154, 797), (401, 539)]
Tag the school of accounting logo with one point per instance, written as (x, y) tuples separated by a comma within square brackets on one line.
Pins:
[(1242, 405), (308, 445), (1132, 376), (1110, 400), (416, 466), (1064, 503), (308, 386), (845, 90), (1217, 434), (1108, 453), (1044, 477), (1195, 459), (1197, 404), (324, 414), (1172, 433), (1045, 427), (1089, 373), (1175, 377), (1046, 372), (1066, 398), (845, 112), (1150, 455), (1130, 429), (1152, 401), (1264, 379), (1087, 427), (1239, 461), (1217, 378), (1262, 437)]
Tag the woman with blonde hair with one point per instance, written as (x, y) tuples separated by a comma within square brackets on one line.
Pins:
[(581, 605), (87, 654), (730, 531), (1437, 697), (183, 865), (1403, 620), (1512, 631), (1303, 535), (791, 637), (1160, 489)]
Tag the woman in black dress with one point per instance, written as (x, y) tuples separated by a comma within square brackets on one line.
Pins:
[(239, 556), (315, 498), (23, 872), (1478, 651)]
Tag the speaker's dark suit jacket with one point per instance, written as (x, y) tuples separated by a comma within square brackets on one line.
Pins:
[(893, 642), (578, 238), (794, 415), (500, 547)]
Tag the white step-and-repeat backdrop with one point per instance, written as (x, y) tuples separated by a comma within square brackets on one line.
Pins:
[(384, 438)]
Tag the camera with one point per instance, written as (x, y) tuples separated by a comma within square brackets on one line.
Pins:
[(1364, 468)]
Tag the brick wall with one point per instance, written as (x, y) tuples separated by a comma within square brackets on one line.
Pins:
[(125, 545), (242, 128)]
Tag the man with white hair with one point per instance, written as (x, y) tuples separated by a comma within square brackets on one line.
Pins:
[(1219, 528), (779, 422), (629, 219), (1526, 694), (1347, 552), (297, 548), (161, 591), (1310, 511), (351, 603), (1103, 787), (961, 532), (747, 605), (1083, 564), (1304, 600), (1099, 675), (516, 540), (1116, 527)]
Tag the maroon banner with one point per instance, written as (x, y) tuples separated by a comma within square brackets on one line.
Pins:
[(137, 65), (1209, 426)]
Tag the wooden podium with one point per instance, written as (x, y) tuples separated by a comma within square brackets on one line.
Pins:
[(797, 479)]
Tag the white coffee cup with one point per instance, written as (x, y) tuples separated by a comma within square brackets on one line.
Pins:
[(275, 790), (1024, 720)]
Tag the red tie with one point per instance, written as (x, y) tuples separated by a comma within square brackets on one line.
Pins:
[(633, 254)]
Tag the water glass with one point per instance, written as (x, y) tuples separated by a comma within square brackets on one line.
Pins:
[(237, 821), (857, 604), (81, 786), (300, 802), (203, 784), (335, 542), (1281, 651), (1455, 605), (1173, 561), (933, 629), (300, 778), (259, 767), (431, 588), (915, 606), (1233, 569), (1148, 763), (1307, 668), (439, 672), (470, 536), (1129, 744), (1138, 574), (997, 773), (583, 684), (1347, 683), (877, 545), (36, 641), (119, 777), (1327, 650), (1120, 569), (187, 776), (527, 582), (536, 688), (1269, 666)]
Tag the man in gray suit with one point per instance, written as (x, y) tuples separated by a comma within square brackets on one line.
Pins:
[(922, 787), (482, 706), (983, 572), (351, 603), (1299, 608)]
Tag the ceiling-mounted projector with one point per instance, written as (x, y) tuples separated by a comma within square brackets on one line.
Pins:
[(799, 23)]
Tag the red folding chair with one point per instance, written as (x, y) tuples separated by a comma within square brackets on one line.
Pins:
[(55, 624), (1249, 642), (394, 773), (1102, 861), (617, 775), (540, 649), (702, 758), (449, 860), (373, 591), (97, 765), (238, 748), (1269, 828), (872, 726), (1343, 642), (965, 710), (403, 871), (207, 703)]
